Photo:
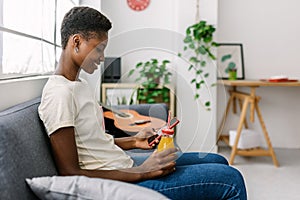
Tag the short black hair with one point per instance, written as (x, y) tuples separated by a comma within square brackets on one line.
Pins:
[(85, 21)]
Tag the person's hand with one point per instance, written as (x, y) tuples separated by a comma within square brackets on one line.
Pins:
[(159, 164), (141, 138)]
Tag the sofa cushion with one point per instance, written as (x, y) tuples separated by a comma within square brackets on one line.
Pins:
[(24, 150), (84, 188)]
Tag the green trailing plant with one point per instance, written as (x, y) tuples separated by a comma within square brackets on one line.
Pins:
[(199, 41), (153, 77)]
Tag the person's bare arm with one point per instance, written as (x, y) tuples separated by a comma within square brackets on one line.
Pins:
[(126, 143), (140, 140), (66, 158)]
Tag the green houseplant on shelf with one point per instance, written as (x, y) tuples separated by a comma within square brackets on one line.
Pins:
[(153, 77), (199, 44)]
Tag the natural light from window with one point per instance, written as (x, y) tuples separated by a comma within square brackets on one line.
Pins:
[(29, 35)]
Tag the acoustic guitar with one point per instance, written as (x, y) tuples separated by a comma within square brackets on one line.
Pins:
[(132, 121)]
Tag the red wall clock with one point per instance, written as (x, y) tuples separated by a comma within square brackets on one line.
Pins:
[(138, 5)]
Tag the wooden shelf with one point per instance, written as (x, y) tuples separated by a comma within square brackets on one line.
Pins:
[(247, 152), (107, 86)]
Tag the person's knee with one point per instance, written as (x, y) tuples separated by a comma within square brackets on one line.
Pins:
[(233, 177), (236, 175), (215, 158), (238, 181), (220, 159)]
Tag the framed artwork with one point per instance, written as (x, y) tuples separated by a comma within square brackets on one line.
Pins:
[(230, 57), (119, 94)]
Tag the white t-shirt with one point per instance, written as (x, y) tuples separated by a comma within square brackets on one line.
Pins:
[(68, 103)]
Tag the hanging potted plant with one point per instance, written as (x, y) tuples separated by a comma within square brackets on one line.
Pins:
[(199, 41), (153, 77)]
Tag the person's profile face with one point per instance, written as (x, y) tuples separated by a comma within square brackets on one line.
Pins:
[(94, 53)]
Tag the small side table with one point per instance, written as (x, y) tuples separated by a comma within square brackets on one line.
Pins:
[(244, 101)]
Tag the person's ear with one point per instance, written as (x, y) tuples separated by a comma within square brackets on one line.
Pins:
[(76, 42)]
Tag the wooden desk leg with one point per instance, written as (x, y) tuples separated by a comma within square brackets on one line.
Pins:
[(264, 129), (252, 105), (234, 101), (225, 115), (241, 107), (239, 130)]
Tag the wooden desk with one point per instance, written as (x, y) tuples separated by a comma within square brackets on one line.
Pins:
[(245, 100)]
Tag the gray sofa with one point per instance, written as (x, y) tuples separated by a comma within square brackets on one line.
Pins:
[(25, 150)]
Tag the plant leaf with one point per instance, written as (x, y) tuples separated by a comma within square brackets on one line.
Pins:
[(188, 39), (207, 103), (192, 46), (164, 62), (225, 57), (203, 63), (188, 31), (150, 100), (142, 97), (202, 50), (130, 72), (231, 65), (208, 39), (194, 60), (214, 44), (199, 71), (139, 64)]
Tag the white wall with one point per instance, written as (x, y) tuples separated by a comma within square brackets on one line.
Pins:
[(199, 126), (158, 32), (16, 91), (269, 31)]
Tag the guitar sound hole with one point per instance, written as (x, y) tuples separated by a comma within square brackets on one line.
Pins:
[(125, 115)]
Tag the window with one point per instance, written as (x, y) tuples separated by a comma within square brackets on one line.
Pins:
[(29, 35)]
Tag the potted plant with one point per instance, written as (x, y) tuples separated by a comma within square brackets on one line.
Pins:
[(231, 69), (153, 77), (199, 41)]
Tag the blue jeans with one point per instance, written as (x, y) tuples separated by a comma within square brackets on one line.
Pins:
[(198, 176)]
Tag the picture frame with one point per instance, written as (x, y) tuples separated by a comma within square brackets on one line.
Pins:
[(119, 94), (235, 50)]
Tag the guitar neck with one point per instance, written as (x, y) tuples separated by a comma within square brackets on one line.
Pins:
[(122, 114)]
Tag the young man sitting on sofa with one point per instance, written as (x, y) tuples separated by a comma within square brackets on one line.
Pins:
[(80, 145)]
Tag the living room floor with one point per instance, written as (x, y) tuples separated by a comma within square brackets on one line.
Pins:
[(263, 180)]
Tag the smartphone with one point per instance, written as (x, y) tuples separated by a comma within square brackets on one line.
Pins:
[(151, 140)]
